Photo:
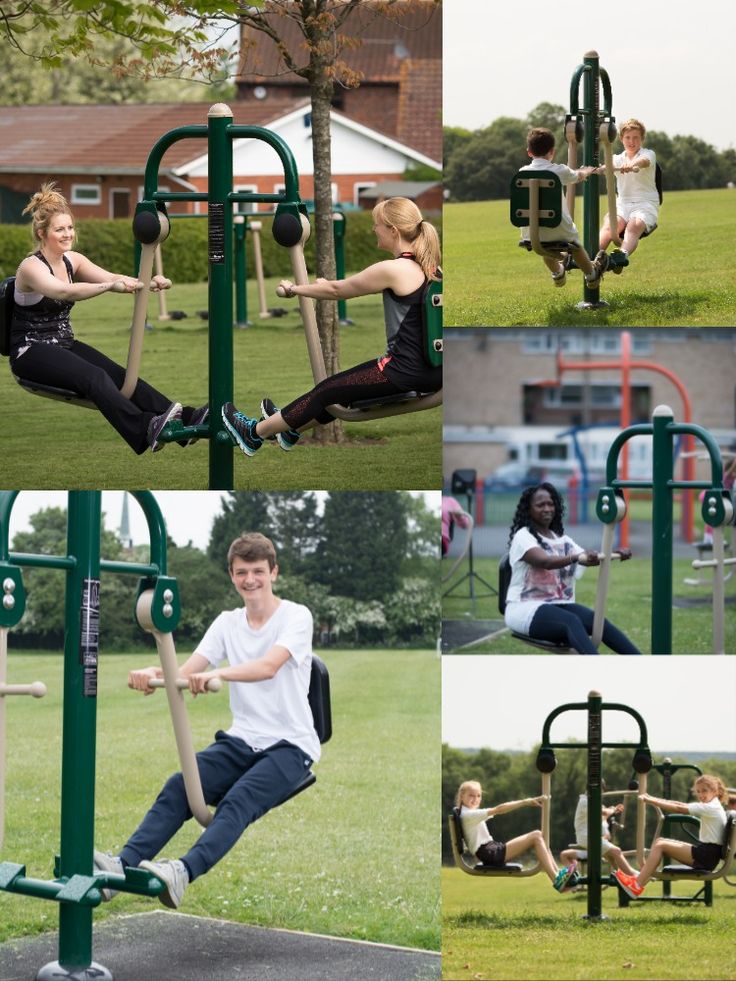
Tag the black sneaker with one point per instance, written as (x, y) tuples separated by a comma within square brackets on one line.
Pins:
[(158, 423), (198, 418), (242, 429), (617, 269), (287, 440)]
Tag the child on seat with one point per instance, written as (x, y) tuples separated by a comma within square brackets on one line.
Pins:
[(706, 854), (610, 852), (495, 854), (540, 146)]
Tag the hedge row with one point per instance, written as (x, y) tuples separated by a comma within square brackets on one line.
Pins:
[(110, 245)]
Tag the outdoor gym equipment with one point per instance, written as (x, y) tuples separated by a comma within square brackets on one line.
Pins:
[(717, 508), (76, 886), (547, 761), (467, 862), (536, 196), (605, 557)]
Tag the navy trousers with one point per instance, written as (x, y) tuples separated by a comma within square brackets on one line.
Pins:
[(572, 624), (242, 782)]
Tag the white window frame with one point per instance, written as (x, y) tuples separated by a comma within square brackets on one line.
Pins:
[(77, 188)]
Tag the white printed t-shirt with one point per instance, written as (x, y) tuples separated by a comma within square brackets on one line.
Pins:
[(530, 586), (267, 711), (475, 830)]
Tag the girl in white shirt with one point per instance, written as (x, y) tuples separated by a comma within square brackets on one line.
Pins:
[(706, 854)]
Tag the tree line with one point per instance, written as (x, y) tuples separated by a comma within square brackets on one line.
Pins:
[(480, 163), (514, 776), (365, 564)]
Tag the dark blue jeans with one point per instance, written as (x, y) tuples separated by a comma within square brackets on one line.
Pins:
[(243, 784), (572, 624)]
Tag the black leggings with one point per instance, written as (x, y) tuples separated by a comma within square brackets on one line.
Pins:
[(572, 624), (83, 369), (364, 381)]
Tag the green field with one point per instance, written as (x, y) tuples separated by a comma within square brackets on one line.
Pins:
[(499, 928), (683, 275), (357, 855), (629, 606), (46, 444)]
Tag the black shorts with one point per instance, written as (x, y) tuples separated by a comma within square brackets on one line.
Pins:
[(706, 855), (492, 853)]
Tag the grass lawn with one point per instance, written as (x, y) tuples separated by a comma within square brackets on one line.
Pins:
[(683, 275), (349, 857), (47, 444), (499, 928), (629, 607)]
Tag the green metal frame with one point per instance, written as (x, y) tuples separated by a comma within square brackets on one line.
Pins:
[(546, 762), (77, 887), (664, 431)]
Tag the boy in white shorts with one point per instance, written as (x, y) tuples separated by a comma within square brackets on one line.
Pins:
[(610, 852), (637, 198), (540, 146)]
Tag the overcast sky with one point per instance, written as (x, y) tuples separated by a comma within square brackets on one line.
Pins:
[(670, 62), (188, 514), (502, 702)]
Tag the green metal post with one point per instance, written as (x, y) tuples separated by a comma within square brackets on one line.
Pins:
[(220, 245), (79, 731), (595, 804), (338, 234), (241, 299), (591, 190), (662, 507)]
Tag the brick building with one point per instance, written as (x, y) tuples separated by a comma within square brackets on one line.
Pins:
[(491, 381)]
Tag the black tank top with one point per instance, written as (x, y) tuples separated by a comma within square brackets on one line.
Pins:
[(405, 362), (45, 322)]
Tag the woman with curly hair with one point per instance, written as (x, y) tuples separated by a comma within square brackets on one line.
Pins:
[(545, 562)]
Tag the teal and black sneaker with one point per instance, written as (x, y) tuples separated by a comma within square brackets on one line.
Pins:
[(242, 429), (287, 440)]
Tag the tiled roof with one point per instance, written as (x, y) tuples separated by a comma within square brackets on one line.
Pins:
[(114, 138), (383, 44), (420, 106)]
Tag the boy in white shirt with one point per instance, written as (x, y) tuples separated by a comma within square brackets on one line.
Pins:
[(264, 755), (540, 146), (637, 197)]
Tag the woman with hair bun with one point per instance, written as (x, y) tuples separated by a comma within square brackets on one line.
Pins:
[(43, 348), (545, 562), (414, 244)]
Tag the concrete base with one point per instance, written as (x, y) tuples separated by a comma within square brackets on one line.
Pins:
[(162, 946)]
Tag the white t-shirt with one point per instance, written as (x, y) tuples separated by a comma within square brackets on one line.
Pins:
[(641, 186), (581, 825), (530, 586), (712, 820), (475, 831), (566, 230), (267, 711)]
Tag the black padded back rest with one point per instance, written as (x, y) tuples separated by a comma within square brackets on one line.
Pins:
[(504, 580), (728, 831), (458, 830), (319, 699), (7, 302), (658, 181)]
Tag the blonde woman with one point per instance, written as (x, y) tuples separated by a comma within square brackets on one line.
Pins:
[(403, 367)]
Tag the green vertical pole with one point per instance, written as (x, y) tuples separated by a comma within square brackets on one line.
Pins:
[(595, 804), (662, 507), (591, 189), (79, 731), (241, 300), (338, 235), (220, 245)]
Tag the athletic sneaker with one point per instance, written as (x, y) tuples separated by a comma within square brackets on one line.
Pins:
[(105, 862), (198, 418), (629, 884), (174, 875), (242, 429), (563, 877), (287, 440), (559, 279), (617, 270), (158, 423), (600, 264)]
